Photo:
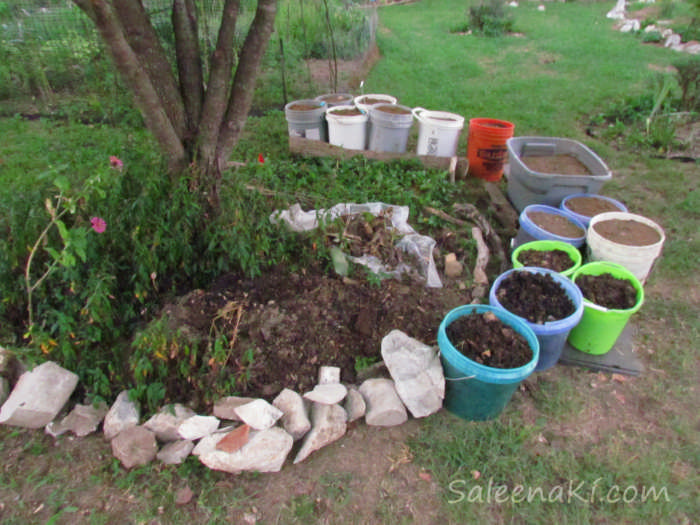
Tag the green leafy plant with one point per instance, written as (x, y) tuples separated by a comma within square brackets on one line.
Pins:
[(490, 18), (688, 77)]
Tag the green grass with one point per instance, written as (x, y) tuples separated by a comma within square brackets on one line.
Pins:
[(565, 426)]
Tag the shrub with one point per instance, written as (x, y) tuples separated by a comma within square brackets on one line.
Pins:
[(688, 77), (490, 18)]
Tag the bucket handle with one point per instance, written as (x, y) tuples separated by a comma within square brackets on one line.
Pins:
[(591, 304), (416, 112), (459, 378)]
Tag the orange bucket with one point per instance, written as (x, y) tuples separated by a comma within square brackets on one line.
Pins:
[(486, 147)]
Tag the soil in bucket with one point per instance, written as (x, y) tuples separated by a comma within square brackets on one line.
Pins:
[(557, 260), (563, 164), (536, 297), (485, 339), (300, 106), (627, 232), (590, 206), (608, 291), (556, 224)]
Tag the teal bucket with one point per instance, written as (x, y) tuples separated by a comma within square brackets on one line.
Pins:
[(473, 391)]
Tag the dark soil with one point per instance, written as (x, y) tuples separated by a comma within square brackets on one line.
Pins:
[(590, 206), (608, 291), (627, 232), (485, 339), (536, 297), (347, 112), (369, 101), (557, 260), (556, 224), (556, 164)]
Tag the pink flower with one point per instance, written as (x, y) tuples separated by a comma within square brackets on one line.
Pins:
[(116, 162), (261, 159), (98, 224)]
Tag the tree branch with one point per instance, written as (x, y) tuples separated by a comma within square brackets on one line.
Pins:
[(144, 42), (189, 63), (219, 83), (145, 95), (250, 57)]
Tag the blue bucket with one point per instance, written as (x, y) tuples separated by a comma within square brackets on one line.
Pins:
[(529, 231), (585, 219), (551, 335), (477, 392)]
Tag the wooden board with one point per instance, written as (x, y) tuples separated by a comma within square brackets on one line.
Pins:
[(456, 166)]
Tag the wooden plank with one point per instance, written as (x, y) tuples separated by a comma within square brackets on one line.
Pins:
[(316, 148)]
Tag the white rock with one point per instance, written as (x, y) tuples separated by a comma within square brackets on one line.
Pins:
[(81, 421), (38, 396), (354, 405), (673, 40), (630, 25), (135, 446), (175, 452), (617, 12), (225, 408), (541, 7), (122, 414), (258, 414), (384, 408), (196, 427), (453, 268), (417, 373), (265, 451), (692, 47), (327, 394), (295, 419), (328, 374), (328, 425), (166, 422)]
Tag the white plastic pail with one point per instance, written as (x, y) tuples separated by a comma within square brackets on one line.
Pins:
[(438, 132), (347, 130)]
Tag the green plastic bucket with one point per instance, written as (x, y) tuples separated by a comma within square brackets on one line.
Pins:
[(473, 391), (600, 327), (546, 246)]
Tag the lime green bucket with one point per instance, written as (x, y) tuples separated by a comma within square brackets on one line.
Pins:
[(600, 327), (547, 246)]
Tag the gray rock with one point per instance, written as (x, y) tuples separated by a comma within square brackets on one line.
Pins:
[(630, 25), (122, 414), (175, 452), (328, 374), (196, 427), (673, 40), (38, 396), (328, 424), (416, 371), (258, 414), (295, 419), (135, 446), (692, 47), (81, 421), (354, 405), (265, 451), (225, 408), (166, 422), (384, 408), (327, 394)]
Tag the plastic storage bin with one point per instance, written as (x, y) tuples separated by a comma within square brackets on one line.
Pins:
[(526, 186)]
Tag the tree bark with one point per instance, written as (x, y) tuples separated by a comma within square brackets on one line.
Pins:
[(244, 80), (144, 93), (189, 64)]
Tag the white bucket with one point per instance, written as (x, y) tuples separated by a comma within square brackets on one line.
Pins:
[(391, 124), (305, 119), (438, 132), (347, 131), (637, 259), (336, 99), (367, 101)]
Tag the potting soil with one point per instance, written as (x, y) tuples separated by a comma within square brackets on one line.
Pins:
[(485, 339), (607, 291), (536, 297), (557, 260)]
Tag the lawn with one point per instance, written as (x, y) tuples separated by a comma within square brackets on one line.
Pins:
[(572, 446)]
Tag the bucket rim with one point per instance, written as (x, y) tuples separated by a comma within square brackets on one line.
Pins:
[(385, 99), (612, 200), (331, 113), (547, 245), (495, 123), (550, 327), (494, 375), (556, 211), (624, 215), (603, 267), (443, 119)]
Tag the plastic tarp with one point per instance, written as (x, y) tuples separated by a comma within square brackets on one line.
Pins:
[(411, 242)]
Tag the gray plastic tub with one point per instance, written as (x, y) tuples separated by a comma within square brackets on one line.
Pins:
[(525, 186)]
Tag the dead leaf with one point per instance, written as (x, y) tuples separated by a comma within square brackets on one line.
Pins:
[(425, 476), (476, 474), (619, 378)]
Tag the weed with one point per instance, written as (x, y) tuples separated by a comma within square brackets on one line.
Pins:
[(490, 19)]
